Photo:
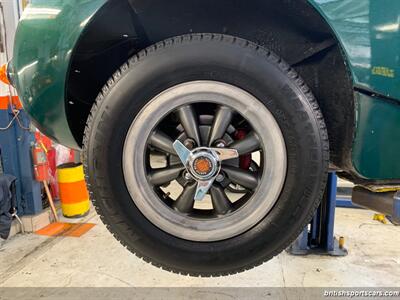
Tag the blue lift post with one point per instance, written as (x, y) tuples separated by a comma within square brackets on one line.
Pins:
[(16, 160), (318, 237)]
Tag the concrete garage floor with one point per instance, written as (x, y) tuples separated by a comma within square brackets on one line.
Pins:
[(97, 260)]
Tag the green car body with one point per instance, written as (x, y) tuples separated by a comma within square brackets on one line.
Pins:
[(368, 35)]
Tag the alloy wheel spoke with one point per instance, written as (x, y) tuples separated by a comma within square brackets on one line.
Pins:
[(185, 201), (162, 142), (222, 119), (165, 175), (249, 144), (220, 201), (189, 121), (245, 178)]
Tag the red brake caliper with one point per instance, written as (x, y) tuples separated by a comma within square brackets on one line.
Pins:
[(244, 160)]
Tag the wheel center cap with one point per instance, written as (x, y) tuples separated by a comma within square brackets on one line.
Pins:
[(203, 164)]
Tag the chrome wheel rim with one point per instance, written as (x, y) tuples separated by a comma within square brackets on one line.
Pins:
[(204, 115)]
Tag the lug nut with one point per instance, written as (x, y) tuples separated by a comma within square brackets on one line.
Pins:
[(187, 176), (220, 144), (189, 143), (220, 178)]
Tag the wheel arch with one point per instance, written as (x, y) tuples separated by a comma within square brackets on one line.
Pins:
[(129, 26)]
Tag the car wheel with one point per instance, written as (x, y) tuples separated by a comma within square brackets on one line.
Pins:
[(160, 154)]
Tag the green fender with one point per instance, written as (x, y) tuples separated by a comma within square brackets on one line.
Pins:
[(369, 32), (44, 43)]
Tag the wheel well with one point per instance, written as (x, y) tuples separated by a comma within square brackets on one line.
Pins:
[(292, 29)]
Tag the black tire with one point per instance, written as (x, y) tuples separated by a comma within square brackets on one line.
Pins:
[(207, 57)]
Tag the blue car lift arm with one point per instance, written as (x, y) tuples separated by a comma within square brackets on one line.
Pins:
[(318, 237)]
